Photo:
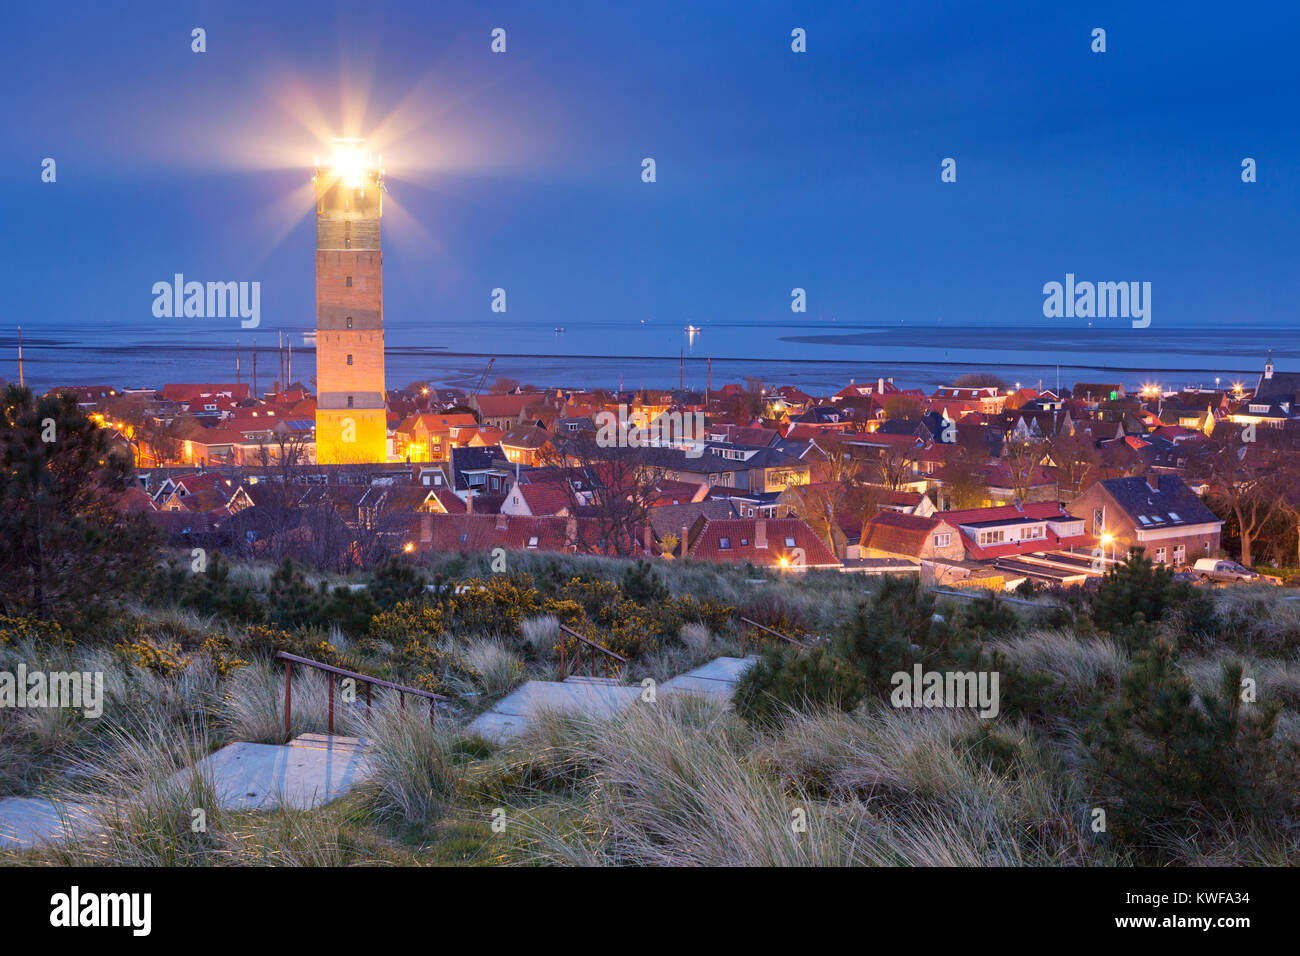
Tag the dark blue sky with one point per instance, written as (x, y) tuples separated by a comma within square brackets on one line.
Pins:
[(775, 169)]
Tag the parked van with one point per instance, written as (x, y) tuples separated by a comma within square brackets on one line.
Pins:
[(1215, 569)]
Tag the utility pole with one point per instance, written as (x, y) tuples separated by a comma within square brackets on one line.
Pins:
[(21, 383)]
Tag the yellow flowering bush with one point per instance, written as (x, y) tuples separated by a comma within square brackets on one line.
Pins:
[(165, 660)]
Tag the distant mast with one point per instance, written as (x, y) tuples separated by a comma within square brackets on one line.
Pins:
[(21, 384)]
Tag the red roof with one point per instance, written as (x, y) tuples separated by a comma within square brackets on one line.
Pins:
[(188, 391), (475, 533), (544, 497), (740, 535), (896, 533)]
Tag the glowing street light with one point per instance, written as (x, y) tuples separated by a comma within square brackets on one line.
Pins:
[(1108, 541)]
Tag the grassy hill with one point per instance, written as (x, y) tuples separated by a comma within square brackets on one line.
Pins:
[(1132, 703)]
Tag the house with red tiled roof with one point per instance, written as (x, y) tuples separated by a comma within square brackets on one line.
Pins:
[(431, 436), (445, 501), (1012, 530), (889, 534), (784, 543), (954, 401), (526, 445), (484, 437), (134, 498), (507, 411), (537, 499), (480, 533)]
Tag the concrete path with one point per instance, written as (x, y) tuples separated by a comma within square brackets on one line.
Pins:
[(716, 679), (600, 696), (310, 771), (597, 696)]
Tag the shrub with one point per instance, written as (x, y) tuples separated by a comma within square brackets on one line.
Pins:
[(395, 581), (788, 678), (408, 621), (1161, 760), (640, 583), (1138, 592), (891, 633), (163, 660)]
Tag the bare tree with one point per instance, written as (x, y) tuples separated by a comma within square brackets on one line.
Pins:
[(616, 487), (1249, 494), (1077, 462)]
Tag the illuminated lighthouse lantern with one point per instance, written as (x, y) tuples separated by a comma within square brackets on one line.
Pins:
[(351, 421)]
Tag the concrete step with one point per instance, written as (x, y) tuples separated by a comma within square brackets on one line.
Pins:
[(515, 711), (334, 742), (311, 770), (599, 681), (716, 679)]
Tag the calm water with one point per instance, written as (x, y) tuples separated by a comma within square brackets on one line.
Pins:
[(812, 354)]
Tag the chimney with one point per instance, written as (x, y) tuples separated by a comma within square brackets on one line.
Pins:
[(426, 527), (503, 522), (649, 549), (469, 499), (683, 542), (571, 533), (880, 386), (760, 534)]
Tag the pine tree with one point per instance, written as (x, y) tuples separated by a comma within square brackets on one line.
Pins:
[(63, 546)]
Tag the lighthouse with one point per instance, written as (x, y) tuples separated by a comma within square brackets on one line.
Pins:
[(351, 417)]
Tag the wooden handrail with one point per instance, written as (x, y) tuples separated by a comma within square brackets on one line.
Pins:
[(608, 655), (746, 624), (402, 689)]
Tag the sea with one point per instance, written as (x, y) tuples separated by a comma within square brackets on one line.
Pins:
[(816, 355)]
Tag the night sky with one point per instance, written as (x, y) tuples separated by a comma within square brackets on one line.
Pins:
[(522, 170)]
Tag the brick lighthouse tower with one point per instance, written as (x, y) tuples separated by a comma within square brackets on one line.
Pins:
[(351, 420)]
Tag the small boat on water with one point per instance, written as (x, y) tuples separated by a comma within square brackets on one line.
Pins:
[(692, 328), (559, 331)]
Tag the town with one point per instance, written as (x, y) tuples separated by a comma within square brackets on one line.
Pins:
[(974, 485)]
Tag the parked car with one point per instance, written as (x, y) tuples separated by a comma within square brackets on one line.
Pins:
[(1214, 569)]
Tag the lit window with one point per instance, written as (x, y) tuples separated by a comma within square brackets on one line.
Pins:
[(349, 280), (789, 542), (532, 542)]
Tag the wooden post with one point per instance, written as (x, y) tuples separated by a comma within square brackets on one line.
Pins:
[(288, 671)]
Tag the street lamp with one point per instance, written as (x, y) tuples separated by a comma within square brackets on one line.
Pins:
[(1108, 541)]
